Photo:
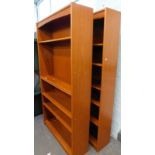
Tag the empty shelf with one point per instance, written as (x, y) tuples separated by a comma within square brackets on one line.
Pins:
[(55, 40), (58, 103), (55, 113), (55, 127), (94, 120), (63, 86)]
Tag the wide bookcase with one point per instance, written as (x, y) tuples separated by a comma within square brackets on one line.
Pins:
[(65, 55), (106, 26)]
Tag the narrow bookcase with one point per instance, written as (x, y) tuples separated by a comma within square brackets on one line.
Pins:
[(65, 55), (106, 26)]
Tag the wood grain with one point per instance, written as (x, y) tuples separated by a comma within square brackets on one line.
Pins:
[(81, 57)]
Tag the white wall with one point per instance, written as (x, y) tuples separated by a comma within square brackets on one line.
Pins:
[(116, 120), (35, 17), (47, 7), (58, 4), (44, 9), (114, 4), (89, 3)]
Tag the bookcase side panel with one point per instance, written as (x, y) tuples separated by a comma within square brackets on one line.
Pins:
[(42, 70), (81, 57), (110, 54)]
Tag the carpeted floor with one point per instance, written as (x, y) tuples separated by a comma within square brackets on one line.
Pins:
[(46, 144)]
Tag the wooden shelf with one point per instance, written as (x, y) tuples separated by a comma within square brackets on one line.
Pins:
[(55, 40), (97, 64), (63, 86), (97, 86), (55, 113), (97, 103), (94, 120), (58, 102), (93, 141), (54, 126), (98, 44)]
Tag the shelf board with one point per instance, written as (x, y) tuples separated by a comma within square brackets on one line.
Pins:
[(93, 141), (51, 97), (50, 124), (97, 86), (97, 103), (94, 120), (63, 86), (55, 40), (58, 117), (98, 44), (97, 64)]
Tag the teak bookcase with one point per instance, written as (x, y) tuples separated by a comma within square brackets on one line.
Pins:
[(104, 65), (65, 55)]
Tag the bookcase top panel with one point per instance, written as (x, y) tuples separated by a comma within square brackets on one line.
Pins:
[(99, 14), (102, 13)]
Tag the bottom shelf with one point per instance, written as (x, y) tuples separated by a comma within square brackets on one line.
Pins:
[(93, 141), (93, 134), (58, 130)]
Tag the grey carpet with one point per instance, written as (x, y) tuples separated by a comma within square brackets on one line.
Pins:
[(44, 142)]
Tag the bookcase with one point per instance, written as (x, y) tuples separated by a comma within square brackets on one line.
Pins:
[(65, 55), (106, 26)]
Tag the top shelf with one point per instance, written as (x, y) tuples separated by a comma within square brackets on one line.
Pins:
[(55, 40)]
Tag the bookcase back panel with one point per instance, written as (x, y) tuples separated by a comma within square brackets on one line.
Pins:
[(98, 31), (95, 94), (61, 63), (97, 54), (61, 130), (94, 111), (59, 96), (57, 61), (96, 75), (55, 29), (44, 60), (93, 129), (58, 112)]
